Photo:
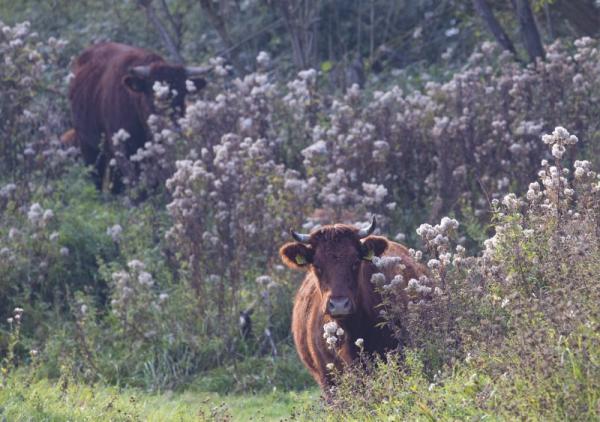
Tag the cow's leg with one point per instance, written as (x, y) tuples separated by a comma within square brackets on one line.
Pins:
[(91, 156), (116, 180)]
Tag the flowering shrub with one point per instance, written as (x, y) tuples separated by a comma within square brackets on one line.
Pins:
[(31, 252), (232, 199), (31, 121), (448, 147), (517, 326)]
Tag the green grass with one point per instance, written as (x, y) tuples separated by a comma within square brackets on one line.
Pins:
[(45, 400)]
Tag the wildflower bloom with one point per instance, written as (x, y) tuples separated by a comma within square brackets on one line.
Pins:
[(35, 213), (136, 264), (161, 90), (263, 59), (331, 332), (190, 86), (145, 278), (330, 327), (121, 136), (378, 279)]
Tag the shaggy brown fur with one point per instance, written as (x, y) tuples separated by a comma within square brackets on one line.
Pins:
[(105, 97), (335, 260)]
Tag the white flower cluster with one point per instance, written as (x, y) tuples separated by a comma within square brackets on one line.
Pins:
[(336, 192), (38, 216), (378, 279), (332, 333), (559, 138), (219, 66), (583, 170), (318, 149), (534, 192), (190, 86), (301, 94), (438, 235), (161, 90), (374, 194), (511, 202), (263, 59), (120, 137), (396, 282), (7, 190), (419, 287), (388, 263), (115, 232), (17, 315)]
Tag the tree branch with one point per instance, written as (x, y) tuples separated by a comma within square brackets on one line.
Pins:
[(175, 24), (486, 13), (166, 38), (218, 23), (529, 30)]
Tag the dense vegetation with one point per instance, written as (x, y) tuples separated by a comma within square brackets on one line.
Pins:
[(109, 303)]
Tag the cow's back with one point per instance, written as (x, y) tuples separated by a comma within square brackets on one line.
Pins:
[(114, 57), (99, 100), (98, 74)]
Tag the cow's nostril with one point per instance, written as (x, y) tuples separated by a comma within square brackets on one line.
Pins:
[(339, 306)]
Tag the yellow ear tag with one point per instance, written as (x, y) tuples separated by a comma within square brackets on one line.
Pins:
[(300, 260), (369, 256)]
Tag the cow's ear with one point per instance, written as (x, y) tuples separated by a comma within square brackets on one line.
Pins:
[(296, 255), (374, 246), (199, 83), (135, 83)]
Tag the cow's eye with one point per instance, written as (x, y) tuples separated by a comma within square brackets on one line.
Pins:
[(317, 270)]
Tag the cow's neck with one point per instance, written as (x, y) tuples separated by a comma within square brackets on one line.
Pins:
[(376, 338)]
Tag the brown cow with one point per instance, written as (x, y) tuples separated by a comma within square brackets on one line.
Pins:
[(338, 288), (113, 89)]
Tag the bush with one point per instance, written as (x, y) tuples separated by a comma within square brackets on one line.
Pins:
[(512, 333), (32, 120)]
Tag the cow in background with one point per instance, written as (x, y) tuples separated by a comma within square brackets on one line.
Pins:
[(338, 288), (112, 89)]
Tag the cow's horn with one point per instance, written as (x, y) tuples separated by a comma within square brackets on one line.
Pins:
[(365, 232), (141, 71), (302, 238), (192, 71)]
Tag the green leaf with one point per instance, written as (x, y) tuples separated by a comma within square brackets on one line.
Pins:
[(326, 66)]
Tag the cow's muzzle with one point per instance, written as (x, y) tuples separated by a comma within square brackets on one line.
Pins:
[(339, 306)]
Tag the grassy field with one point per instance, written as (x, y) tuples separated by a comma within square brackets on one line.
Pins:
[(44, 400)]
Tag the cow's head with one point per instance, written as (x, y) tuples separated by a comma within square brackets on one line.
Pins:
[(337, 255), (141, 79)]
